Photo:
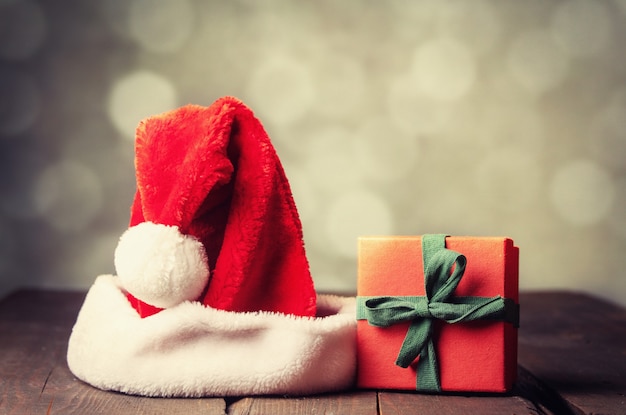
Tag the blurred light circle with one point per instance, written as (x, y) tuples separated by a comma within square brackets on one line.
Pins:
[(17, 200), (581, 27), (384, 152), (608, 132), (136, 96), (340, 81), (582, 192), (115, 13), (516, 125), (414, 112), (508, 179), (94, 255), (161, 25), (68, 195), (329, 160), (444, 69), (536, 62), (475, 22), (356, 213), (20, 102), (617, 216), (281, 89), (22, 29)]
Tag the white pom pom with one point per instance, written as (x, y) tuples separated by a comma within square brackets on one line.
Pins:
[(160, 266)]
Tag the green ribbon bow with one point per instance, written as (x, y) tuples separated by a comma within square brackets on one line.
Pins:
[(439, 303)]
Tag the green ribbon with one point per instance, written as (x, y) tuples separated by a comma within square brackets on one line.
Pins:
[(439, 303)]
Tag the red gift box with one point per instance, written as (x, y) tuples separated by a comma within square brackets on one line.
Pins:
[(479, 355)]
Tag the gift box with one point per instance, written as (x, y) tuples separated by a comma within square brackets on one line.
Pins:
[(437, 313)]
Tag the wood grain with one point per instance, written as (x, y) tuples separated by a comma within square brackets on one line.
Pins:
[(398, 403), (576, 345), (349, 403)]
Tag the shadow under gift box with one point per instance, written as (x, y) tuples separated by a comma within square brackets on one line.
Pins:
[(477, 356)]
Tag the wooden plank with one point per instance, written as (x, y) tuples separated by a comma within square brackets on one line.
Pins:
[(34, 337), (34, 377), (348, 403), (576, 345), (544, 398), (530, 396), (80, 398), (401, 403)]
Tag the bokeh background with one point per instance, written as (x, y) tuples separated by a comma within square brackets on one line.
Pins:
[(490, 117)]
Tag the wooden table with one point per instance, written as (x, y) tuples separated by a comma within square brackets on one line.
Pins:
[(572, 360)]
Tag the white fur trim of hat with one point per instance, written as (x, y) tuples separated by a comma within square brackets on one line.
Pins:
[(191, 350)]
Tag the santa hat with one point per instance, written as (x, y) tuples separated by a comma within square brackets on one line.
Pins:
[(213, 294), (212, 197)]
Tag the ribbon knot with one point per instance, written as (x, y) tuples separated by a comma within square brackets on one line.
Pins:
[(443, 270), (422, 309)]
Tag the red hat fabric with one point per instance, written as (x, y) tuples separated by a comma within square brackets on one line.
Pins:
[(212, 174)]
